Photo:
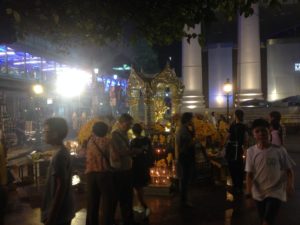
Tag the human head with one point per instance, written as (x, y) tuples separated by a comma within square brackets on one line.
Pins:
[(212, 113), (55, 130), (186, 118), (275, 115), (137, 129), (239, 115), (100, 129), (125, 122), (260, 130)]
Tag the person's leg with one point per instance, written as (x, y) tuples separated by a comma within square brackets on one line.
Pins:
[(231, 168), (140, 195), (93, 199), (240, 176), (184, 182), (126, 198), (272, 207), (107, 200), (261, 205)]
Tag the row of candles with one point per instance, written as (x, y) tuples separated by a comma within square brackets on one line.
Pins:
[(161, 175)]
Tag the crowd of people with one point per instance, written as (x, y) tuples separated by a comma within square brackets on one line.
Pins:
[(268, 167), (116, 167)]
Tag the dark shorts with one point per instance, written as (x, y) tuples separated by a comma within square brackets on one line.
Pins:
[(268, 209)]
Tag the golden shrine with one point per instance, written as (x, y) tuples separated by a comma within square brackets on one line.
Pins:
[(160, 94)]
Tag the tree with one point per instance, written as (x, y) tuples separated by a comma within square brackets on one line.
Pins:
[(98, 21)]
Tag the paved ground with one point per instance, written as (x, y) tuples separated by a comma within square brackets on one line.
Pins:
[(213, 205)]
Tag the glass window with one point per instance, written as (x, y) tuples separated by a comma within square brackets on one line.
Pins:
[(33, 67), (15, 63), (3, 60), (49, 70)]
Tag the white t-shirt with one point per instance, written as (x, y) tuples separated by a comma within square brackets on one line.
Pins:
[(269, 168)]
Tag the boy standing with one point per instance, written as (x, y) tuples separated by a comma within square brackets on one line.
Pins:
[(58, 205), (269, 173)]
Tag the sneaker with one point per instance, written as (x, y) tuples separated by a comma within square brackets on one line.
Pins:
[(147, 212)]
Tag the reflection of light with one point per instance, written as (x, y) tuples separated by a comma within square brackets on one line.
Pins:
[(29, 62), (274, 95), (49, 101), (38, 89), (191, 106), (75, 180), (219, 99), (8, 53), (71, 82)]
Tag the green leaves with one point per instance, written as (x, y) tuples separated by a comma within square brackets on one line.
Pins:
[(93, 21)]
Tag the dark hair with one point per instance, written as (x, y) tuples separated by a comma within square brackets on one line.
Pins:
[(260, 123), (137, 128), (100, 129), (275, 115), (239, 114), (125, 117), (186, 117), (59, 126)]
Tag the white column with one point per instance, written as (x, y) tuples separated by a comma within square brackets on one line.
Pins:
[(193, 100), (249, 72)]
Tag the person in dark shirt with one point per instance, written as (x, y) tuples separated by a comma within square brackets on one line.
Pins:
[(237, 141), (58, 203), (141, 164), (186, 156)]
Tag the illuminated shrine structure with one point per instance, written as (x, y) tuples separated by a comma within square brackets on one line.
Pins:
[(159, 95)]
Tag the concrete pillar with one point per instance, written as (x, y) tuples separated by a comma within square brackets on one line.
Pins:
[(193, 100), (249, 70)]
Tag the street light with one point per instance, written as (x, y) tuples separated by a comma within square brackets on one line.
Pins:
[(227, 89), (38, 89)]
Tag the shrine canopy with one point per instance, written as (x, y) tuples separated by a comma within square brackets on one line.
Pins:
[(160, 94)]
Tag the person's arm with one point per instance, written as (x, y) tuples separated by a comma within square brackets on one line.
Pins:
[(290, 188), (249, 183)]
